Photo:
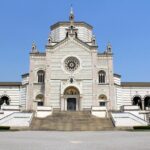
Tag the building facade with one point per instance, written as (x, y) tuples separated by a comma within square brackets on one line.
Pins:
[(73, 75)]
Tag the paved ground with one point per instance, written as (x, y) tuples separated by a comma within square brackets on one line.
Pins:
[(102, 140)]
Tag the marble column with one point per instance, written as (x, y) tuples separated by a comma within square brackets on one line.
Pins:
[(142, 104)]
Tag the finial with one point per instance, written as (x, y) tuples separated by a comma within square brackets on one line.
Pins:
[(109, 48), (93, 40), (71, 17), (34, 48), (49, 39), (71, 9)]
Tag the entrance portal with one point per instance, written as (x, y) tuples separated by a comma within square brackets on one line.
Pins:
[(137, 101), (71, 101), (71, 104)]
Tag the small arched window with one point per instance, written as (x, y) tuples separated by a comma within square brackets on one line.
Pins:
[(102, 100), (103, 97), (40, 100), (41, 76), (102, 76)]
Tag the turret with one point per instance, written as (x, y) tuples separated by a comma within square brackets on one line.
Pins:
[(34, 48), (109, 48)]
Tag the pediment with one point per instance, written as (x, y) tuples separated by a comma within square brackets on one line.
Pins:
[(70, 42)]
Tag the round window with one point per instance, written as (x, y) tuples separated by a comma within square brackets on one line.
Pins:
[(71, 64)]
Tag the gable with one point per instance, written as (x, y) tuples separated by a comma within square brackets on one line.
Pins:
[(70, 43), (68, 48)]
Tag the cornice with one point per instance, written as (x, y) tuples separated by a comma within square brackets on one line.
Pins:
[(67, 23)]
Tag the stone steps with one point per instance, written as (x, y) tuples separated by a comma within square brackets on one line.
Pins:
[(71, 121)]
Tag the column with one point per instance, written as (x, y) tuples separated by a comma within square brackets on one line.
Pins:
[(142, 104)]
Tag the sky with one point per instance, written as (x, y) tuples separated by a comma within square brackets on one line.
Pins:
[(123, 23)]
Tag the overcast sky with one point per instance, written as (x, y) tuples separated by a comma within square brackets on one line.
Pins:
[(124, 23)]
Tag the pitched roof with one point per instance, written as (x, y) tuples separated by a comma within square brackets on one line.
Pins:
[(76, 39), (25, 75), (135, 84), (117, 75), (10, 83)]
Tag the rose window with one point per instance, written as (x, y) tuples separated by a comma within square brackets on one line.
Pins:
[(71, 64)]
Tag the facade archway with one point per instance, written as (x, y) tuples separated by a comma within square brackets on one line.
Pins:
[(137, 101), (147, 102), (4, 100), (71, 99), (40, 100)]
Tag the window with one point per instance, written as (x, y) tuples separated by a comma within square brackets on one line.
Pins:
[(103, 97), (102, 76), (71, 64), (40, 103), (102, 104), (40, 100), (41, 76)]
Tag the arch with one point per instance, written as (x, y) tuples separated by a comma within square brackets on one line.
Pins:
[(40, 99), (137, 100), (102, 76), (41, 76), (4, 100), (71, 90), (147, 102), (71, 99), (102, 97)]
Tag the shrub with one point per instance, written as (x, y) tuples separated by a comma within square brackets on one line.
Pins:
[(142, 128), (4, 128)]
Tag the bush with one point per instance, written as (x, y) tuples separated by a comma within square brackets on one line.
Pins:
[(142, 128), (4, 128)]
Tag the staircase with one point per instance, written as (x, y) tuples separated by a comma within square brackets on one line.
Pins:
[(71, 121)]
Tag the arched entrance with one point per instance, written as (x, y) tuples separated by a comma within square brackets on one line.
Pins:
[(4, 100), (147, 102), (137, 101), (72, 95)]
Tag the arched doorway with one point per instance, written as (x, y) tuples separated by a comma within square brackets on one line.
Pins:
[(4, 100), (72, 96), (137, 101), (147, 102)]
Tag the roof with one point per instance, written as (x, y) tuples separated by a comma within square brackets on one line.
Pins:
[(10, 83), (135, 84), (77, 39), (67, 23), (105, 54), (24, 75), (117, 75), (38, 54)]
